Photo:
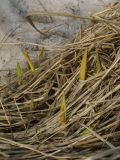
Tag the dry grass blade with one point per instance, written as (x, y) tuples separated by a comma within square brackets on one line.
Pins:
[(20, 114), (7, 118), (28, 18), (24, 146), (98, 63), (29, 14), (63, 109), (81, 32), (99, 137)]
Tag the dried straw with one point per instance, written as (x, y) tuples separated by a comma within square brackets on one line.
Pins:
[(30, 126)]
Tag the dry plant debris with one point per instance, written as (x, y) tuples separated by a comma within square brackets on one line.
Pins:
[(87, 99)]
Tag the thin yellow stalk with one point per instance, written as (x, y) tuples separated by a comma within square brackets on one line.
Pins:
[(83, 67)]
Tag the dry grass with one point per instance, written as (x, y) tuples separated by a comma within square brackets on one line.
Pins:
[(30, 125)]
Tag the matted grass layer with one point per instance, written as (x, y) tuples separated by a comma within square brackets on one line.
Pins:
[(30, 125)]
